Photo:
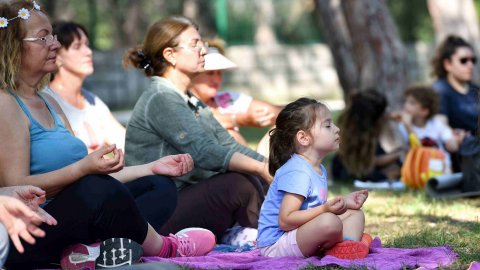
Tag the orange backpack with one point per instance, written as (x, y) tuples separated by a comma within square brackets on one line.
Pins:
[(422, 163)]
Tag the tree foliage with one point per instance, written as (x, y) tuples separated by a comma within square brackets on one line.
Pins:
[(412, 19), (121, 23)]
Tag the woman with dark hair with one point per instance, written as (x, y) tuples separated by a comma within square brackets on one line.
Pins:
[(90, 118), (223, 188), (370, 146), (453, 65)]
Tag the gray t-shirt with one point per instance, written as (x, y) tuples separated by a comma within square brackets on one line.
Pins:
[(166, 121)]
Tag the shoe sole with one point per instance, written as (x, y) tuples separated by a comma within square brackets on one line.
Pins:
[(116, 252), (79, 256), (349, 250)]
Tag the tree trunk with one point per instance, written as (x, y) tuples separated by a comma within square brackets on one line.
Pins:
[(134, 20), (365, 45), (338, 39), (264, 34), (456, 17), (389, 51), (364, 58)]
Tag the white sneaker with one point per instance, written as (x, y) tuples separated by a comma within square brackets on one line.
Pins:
[(392, 185), (240, 236)]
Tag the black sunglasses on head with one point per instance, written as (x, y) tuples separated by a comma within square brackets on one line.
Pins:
[(464, 60)]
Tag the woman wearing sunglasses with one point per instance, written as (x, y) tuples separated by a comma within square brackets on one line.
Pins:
[(453, 65)]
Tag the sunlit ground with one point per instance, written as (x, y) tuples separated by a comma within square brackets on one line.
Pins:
[(410, 219)]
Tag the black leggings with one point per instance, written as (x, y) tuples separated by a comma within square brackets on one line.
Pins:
[(156, 197), (217, 203), (98, 207)]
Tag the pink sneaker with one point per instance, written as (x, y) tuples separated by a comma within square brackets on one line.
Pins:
[(192, 242), (80, 256)]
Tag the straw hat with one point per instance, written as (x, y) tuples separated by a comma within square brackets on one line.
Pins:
[(214, 60)]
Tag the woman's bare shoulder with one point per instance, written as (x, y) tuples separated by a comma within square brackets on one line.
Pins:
[(12, 114), (8, 103)]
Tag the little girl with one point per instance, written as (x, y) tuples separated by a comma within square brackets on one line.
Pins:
[(296, 219)]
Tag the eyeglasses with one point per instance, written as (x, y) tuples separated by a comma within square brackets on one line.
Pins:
[(198, 46), (464, 60), (48, 40)]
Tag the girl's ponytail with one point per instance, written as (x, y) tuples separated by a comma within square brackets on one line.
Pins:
[(298, 115)]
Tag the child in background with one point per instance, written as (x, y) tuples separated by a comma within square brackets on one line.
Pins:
[(417, 117), (296, 219)]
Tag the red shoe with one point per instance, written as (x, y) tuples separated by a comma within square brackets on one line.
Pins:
[(349, 250), (366, 239)]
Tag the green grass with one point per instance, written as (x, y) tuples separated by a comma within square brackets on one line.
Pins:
[(410, 219)]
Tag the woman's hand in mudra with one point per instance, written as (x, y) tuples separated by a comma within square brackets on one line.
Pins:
[(107, 159), (174, 165)]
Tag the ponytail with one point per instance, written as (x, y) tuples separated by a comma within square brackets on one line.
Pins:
[(298, 115)]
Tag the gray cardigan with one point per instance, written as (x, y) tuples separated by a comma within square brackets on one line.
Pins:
[(166, 122)]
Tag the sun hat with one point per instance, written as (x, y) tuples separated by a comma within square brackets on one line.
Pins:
[(214, 60)]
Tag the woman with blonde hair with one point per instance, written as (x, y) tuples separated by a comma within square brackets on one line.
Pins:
[(38, 148)]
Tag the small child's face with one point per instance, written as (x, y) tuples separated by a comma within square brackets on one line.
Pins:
[(413, 107), (325, 134)]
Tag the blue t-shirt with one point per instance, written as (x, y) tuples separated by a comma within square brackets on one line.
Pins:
[(51, 148), (461, 110), (296, 176)]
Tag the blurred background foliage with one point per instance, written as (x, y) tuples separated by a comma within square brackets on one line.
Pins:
[(120, 23), (382, 44), (413, 20)]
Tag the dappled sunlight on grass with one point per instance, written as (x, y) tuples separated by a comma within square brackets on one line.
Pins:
[(410, 219)]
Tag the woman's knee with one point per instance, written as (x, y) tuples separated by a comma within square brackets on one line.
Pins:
[(242, 185), (165, 185), (161, 185), (94, 191)]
